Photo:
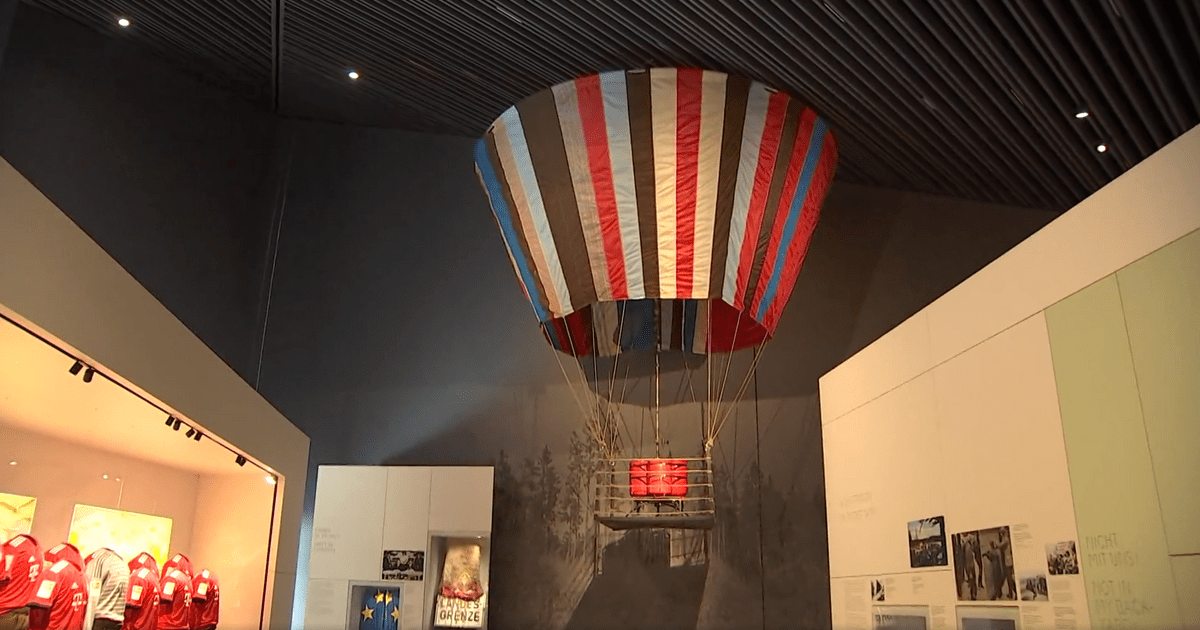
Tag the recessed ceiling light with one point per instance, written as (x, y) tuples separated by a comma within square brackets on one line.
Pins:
[(106, 476), (1102, 147), (270, 479), (1082, 115), (12, 463), (353, 75), (124, 22)]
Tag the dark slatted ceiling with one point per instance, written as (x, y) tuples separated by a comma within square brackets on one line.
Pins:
[(972, 99)]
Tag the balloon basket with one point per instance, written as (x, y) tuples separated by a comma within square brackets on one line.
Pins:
[(671, 492)]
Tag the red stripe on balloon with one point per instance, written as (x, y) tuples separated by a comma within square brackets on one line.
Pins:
[(595, 133), (798, 249), (767, 155), (791, 180), (689, 89)]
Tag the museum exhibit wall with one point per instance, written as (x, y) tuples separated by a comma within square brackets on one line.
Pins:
[(61, 474), (363, 511), (399, 335), (166, 172), (56, 280), (1052, 393)]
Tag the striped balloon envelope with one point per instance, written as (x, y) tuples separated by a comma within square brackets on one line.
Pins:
[(657, 209)]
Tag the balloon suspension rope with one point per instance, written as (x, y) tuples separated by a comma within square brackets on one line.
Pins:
[(712, 437), (742, 389), (657, 405)]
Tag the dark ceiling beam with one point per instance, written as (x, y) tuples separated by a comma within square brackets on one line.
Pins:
[(277, 21), (1153, 73), (1186, 72)]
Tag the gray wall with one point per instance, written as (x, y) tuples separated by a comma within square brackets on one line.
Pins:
[(166, 173), (398, 334)]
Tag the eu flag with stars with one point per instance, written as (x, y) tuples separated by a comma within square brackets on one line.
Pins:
[(380, 609)]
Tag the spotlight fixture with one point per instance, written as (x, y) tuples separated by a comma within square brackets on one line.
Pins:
[(1082, 114), (1102, 147), (241, 461), (12, 463), (269, 479), (76, 368), (198, 436), (123, 22), (106, 476), (175, 425), (353, 75), (89, 375), (170, 420), (191, 432)]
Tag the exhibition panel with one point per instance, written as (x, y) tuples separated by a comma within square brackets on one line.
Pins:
[(55, 280), (93, 469), (400, 547), (1043, 390)]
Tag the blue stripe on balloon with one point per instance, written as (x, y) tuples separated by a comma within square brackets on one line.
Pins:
[(504, 217), (816, 141)]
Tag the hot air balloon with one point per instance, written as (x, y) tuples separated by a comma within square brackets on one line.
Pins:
[(664, 213)]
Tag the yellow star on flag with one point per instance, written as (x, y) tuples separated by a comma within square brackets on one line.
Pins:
[(387, 598), (396, 614), (379, 597), (367, 613)]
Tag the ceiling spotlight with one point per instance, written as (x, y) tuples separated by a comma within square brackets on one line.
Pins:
[(1102, 147), (12, 463), (241, 461), (270, 479), (124, 22), (170, 420), (175, 425), (75, 369), (353, 75), (88, 375), (198, 436), (106, 476), (191, 432), (1082, 114)]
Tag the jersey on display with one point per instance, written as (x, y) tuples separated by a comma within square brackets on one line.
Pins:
[(146, 560), (141, 602), (20, 568), (206, 600), (175, 601), (178, 561), (61, 599), (108, 581)]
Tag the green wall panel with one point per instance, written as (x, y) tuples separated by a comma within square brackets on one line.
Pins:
[(1122, 544), (1161, 298)]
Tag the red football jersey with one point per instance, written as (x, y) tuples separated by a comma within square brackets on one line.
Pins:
[(206, 599), (141, 602), (20, 567), (175, 601), (146, 560), (178, 561), (61, 599)]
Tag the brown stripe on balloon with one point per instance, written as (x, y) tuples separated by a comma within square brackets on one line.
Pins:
[(539, 118), (641, 134), (737, 92), (787, 142), (677, 324), (523, 251)]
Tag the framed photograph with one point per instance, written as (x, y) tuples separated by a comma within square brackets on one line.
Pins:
[(127, 533), (927, 543), (988, 617), (899, 618), (983, 565), (16, 515), (404, 565), (877, 593), (1033, 586), (1061, 558)]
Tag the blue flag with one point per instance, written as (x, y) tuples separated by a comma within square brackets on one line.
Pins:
[(379, 609)]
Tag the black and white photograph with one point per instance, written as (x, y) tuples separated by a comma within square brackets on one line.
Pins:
[(988, 617), (900, 618), (983, 565), (877, 590), (1034, 587), (403, 565), (1061, 558), (927, 542)]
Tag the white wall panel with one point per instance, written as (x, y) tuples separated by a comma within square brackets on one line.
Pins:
[(461, 499), (406, 517), (348, 523)]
